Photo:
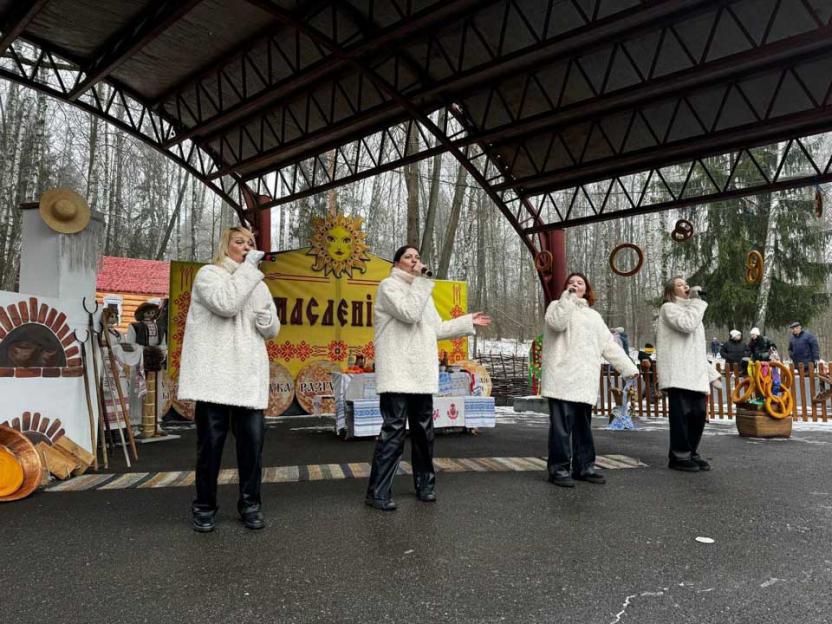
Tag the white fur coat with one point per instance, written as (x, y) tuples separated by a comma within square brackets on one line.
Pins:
[(224, 358), (575, 342), (407, 327), (681, 351)]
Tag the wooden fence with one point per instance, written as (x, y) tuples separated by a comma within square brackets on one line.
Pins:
[(812, 393), (509, 376)]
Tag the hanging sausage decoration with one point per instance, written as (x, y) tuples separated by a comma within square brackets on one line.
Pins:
[(753, 268), (682, 231), (639, 259)]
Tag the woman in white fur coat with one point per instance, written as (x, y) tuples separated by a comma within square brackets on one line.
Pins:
[(407, 327), (684, 371), (225, 369), (575, 340)]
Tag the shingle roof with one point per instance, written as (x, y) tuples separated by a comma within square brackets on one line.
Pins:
[(131, 275)]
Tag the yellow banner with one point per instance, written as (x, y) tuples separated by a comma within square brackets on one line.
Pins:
[(324, 296)]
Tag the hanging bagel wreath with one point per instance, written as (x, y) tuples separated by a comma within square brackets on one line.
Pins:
[(543, 261), (682, 231), (619, 249), (753, 267)]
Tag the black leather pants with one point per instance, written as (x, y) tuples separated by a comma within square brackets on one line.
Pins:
[(571, 447), (396, 409), (687, 422), (212, 424)]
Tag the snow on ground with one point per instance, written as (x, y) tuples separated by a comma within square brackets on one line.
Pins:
[(506, 346)]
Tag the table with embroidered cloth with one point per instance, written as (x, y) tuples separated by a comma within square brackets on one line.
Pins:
[(459, 403)]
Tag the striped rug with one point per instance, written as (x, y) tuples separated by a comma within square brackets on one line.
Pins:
[(319, 472)]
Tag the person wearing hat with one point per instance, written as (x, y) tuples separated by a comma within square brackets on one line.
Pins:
[(734, 351), (759, 347), (684, 371), (803, 345), (625, 339), (225, 369)]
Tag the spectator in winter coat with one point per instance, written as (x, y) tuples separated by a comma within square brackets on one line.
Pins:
[(715, 346), (803, 346), (684, 371), (407, 327), (575, 340), (734, 350), (625, 339), (225, 369), (759, 346)]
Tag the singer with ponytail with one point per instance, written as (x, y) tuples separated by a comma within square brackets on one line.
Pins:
[(225, 369), (684, 371), (407, 327)]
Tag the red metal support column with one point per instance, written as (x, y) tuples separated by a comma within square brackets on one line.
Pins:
[(259, 218), (553, 276)]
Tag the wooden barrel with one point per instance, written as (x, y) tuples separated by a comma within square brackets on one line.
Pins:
[(758, 424)]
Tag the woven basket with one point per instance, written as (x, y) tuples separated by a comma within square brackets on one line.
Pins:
[(757, 424)]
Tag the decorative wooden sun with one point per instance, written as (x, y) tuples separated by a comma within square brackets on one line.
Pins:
[(338, 245)]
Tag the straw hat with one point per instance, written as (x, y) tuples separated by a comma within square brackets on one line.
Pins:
[(144, 307), (64, 210)]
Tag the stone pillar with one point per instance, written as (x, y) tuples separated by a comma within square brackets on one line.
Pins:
[(57, 265)]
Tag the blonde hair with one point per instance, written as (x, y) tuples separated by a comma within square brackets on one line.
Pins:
[(225, 240)]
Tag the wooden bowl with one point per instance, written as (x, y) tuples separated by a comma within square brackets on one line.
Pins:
[(29, 459)]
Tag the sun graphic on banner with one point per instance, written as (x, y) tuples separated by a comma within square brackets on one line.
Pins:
[(338, 245)]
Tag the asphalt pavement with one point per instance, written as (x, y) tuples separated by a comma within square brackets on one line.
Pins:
[(496, 547)]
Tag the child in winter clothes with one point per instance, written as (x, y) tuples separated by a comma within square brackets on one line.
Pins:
[(575, 340)]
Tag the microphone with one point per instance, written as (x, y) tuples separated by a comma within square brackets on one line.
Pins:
[(427, 272), (270, 256)]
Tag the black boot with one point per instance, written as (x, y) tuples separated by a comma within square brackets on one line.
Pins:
[(203, 522)]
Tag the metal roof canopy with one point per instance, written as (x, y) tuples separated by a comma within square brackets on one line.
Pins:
[(564, 111)]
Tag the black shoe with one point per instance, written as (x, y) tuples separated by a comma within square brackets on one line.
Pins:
[(380, 503), (685, 465), (203, 522), (591, 476), (253, 520), (426, 496), (703, 465), (563, 480)]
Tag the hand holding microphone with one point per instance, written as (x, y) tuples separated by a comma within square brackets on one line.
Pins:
[(421, 269), (254, 257), (696, 292)]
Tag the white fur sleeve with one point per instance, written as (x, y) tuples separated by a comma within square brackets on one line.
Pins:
[(224, 293), (273, 328), (684, 316), (455, 328), (408, 305), (614, 354), (559, 312)]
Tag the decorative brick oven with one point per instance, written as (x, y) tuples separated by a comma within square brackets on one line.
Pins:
[(35, 341)]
